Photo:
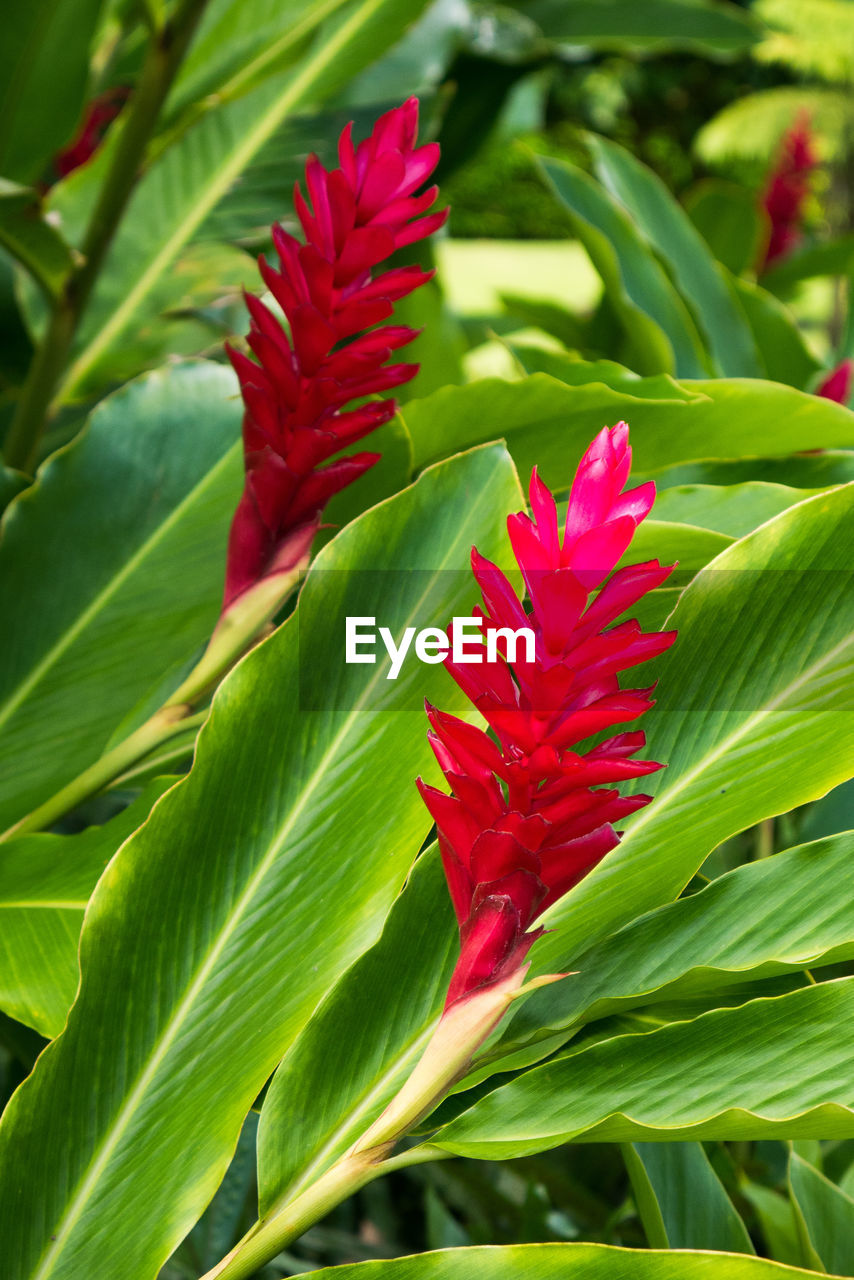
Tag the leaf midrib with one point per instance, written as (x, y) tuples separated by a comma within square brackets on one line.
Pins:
[(162, 1046), (105, 595)]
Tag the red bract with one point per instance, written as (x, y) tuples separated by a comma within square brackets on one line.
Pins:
[(787, 190), (99, 114), (837, 385), (296, 397), (531, 812)]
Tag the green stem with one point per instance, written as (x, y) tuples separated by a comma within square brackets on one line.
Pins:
[(165, 55), (279, 1229), (237, 630)]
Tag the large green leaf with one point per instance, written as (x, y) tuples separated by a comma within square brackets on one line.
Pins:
[(251, 888), (754, 716), (560, 1261), (761, 920), (768, 1068), (681, 1200), (45, 883), (673, 237), (731, 509), (112, 566), (550, 425), (826, 1217), (44, 67), (661, 25), (659, 328), (729, 220), (184, 185), (361, 1043)]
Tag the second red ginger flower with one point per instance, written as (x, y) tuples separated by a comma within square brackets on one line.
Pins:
[(296, 396), (530, 812)]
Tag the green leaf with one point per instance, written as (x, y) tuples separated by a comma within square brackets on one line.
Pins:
[(768, 1068), (11, 484), (26, 235), (299, 820), (186, 182), (753, 715), (735, 509), (549, 425), (809, 472), (661, 333), (826, 1216), (44, 68), (112, 566), (362, 1042), (559, 1261), (45, 883), (828, 258), (776, 1217), (660, 25), (676, 1187), (763, 919), (785, 355), (729, 220), (669, 232)]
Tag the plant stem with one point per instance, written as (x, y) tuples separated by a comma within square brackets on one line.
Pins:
[(275, 1232), (238, 629), (165, 55)]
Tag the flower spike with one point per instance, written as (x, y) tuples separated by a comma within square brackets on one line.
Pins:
[(787, 189), (531, 811), (335, 350)]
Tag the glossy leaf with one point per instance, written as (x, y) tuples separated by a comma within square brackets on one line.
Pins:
[(672, 236), (763, 919), (45, 883), (255, 883), (557, 1261), (128, 522), (44, 67), (826, 1216), (678, 1191), (784, 353), (734, 510), (658, 325), (770, 1068), (362, 1042), (549, 425)]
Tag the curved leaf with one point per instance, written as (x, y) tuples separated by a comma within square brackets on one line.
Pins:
[(769, 1068), (129, 522), (826, 1216), (559, 1261), (660, 25), (548, 424), (45, 883), (658, 325), (672, 235), (679, 1194), (253, 885)]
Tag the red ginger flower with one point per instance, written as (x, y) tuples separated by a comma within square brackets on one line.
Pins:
[(787, 190), (529, 816), (296, 397), (837, 385), (99, 114)]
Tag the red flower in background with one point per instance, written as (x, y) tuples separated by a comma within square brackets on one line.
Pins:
[(787, 190), (99, 114), (837, 385), (531, 813), (296, 396)]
